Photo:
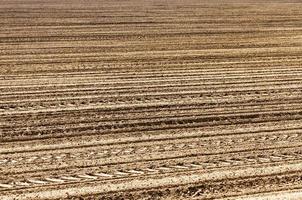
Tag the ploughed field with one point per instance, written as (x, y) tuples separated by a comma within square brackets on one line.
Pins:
[(150, 99)]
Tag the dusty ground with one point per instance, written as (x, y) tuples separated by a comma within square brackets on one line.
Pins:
[(150, 99)]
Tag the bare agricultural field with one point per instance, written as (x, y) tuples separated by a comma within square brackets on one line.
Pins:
[(150, 99)]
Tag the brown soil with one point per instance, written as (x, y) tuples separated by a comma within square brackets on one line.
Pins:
[(150, 99)]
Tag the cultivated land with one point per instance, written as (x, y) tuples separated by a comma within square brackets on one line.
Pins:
[(150, 99)]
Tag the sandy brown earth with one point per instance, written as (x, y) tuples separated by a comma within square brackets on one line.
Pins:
[(150, 99)]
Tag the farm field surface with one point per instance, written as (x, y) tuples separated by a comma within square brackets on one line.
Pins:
[(150, 99)]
